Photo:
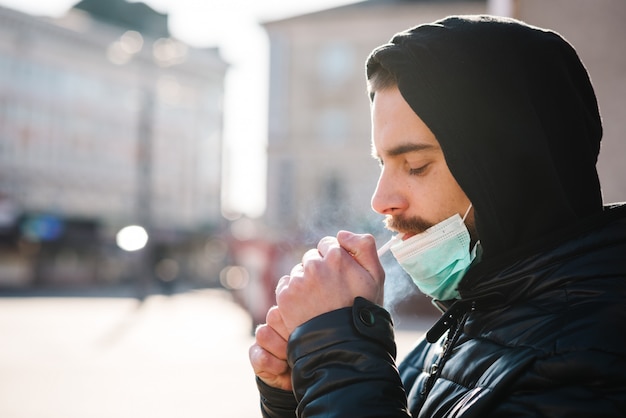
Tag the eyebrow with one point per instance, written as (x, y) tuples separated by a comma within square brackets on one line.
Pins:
[(404, 149)]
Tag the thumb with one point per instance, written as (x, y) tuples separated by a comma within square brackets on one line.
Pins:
[(362, 247)]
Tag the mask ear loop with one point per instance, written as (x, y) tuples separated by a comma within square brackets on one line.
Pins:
[(467, 212)]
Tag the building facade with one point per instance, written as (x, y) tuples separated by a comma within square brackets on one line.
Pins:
[(101, 123), (320, 171)]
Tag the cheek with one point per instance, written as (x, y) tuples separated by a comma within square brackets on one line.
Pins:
[(446, 183), (457, 194), (437, 196)]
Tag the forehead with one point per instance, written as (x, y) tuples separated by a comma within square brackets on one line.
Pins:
[(396, 128)]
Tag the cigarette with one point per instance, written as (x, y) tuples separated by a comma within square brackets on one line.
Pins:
[(386, 246)]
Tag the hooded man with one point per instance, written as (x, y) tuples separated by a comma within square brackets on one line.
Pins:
[(488, 132)]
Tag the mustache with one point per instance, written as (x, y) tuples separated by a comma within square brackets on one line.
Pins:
[(413, 225)]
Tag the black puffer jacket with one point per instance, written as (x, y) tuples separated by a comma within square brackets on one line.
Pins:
[(545, 336)]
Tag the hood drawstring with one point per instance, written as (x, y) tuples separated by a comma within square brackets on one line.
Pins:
[(448, 319)]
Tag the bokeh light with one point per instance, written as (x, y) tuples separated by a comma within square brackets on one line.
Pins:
[(132, 238), (234, 277)]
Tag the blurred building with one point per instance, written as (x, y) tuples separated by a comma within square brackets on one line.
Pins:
[(320, 171), (105, 121)]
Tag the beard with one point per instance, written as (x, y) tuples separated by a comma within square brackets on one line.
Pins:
[(412, 226)]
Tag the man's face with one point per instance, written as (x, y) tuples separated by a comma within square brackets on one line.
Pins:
[(415, 189)]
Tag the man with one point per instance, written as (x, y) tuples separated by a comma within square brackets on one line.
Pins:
[(487, 131)]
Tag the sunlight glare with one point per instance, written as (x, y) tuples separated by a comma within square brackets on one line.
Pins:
[(132, 238)]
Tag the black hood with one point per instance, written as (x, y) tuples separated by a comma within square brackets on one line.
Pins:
[(514, 111)]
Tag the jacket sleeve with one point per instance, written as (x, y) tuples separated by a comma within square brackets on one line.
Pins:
[(343, 364), (276, 403)]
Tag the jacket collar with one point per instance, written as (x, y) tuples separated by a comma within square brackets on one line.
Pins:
[(492, 281), (496, 284)]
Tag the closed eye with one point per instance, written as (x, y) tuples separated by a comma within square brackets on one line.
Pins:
[(418, 171)]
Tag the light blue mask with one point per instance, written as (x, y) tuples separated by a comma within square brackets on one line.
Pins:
[(438, 258)]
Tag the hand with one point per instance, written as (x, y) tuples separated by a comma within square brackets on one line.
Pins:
[(268, 354), (330, 277)]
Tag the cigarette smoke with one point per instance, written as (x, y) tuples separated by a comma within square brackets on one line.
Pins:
[(320, 223), (398, 285)]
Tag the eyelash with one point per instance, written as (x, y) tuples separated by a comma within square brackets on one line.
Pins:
[(412, 171), (418, 171)]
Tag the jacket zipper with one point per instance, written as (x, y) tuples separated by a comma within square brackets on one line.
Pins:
[(453, 335)]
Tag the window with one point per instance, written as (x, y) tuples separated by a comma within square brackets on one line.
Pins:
[(335, 64), (332, 126)]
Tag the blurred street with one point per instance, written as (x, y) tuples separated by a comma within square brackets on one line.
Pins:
[(107, 356)]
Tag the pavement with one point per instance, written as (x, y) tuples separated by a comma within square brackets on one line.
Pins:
[(110, 356)]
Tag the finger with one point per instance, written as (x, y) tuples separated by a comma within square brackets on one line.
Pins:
[(270, 340), (359, 245), (363, 249), (310, 255), (296, 271), (263, 361), (275, 320), (326, 244), (271, 370), (283, 282)]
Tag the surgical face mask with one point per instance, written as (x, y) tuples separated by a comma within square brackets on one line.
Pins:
[(438, 258)]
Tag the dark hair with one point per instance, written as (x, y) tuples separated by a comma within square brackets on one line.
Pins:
[(380, 78)]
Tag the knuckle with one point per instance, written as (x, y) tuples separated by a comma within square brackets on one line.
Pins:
[(368, 239), (334, 254), (263, 335), (296, 270), (327, 240), (262, 363), (311, 253), (255, 353), (283, 298), (260, 357), (363, 241), (274, 317)]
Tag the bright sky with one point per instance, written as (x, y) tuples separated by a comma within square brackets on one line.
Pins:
[(232, 25)]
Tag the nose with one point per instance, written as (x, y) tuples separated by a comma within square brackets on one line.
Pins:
[(388, 198)]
